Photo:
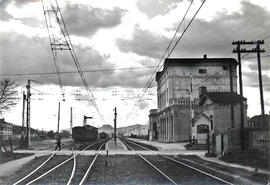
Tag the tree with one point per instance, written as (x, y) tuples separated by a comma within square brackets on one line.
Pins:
[(65, 133), (51, 134), (8, 94)]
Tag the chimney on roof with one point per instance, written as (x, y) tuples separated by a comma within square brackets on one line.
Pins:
[(205, 56), (202, 91)]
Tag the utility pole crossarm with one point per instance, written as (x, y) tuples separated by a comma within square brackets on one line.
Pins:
[(243, 42), (254, 50), (240, 50)]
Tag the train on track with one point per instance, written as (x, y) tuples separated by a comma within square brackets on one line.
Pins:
[(87, 133), (84, 134)]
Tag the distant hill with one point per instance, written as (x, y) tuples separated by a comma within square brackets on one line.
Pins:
[(106, 128), (133, 129)]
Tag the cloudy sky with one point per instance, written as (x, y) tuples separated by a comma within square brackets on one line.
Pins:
[(111, 36)]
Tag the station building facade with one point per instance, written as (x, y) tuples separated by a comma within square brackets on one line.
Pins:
[(174, 84), (153, 125)]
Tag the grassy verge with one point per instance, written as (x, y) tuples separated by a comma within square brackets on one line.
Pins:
[(252, 158), (9, 156)]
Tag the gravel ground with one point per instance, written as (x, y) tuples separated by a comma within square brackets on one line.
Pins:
[(179, 173), (29, 167), (124, 169), (130, 169), (237, 172), (82, 164), (80, 146), (135, 147)]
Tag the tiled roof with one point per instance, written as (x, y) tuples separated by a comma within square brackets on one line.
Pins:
[(257, 118), (222, 97)]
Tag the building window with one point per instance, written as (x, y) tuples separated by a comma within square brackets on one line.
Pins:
[(202, 71), (202, 129), (167, 92)]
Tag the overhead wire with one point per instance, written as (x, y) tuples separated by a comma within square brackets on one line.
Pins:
[(178, 40), (264, 56), (73, 72), (54, 52), (69, 46), (150, 81)]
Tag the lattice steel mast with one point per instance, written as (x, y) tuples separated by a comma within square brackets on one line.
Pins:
[(61, 41)]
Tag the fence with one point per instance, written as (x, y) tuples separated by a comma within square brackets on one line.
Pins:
[(258, 139)]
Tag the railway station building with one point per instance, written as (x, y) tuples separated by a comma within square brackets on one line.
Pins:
[(178, 87), (215, 117)]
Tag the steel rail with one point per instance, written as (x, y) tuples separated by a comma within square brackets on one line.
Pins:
[(73, 169), (179, 162), (92, 163), (156, 168), (52, 169), (34, 171)]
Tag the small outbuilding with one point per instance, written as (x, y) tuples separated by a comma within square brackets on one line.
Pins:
[(5, 129), (202, 125), (217, 106)]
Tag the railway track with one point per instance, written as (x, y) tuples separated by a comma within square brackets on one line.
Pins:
[(175, 171), (48, 171)]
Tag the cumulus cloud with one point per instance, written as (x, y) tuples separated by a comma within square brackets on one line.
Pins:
[(17, 2), (4, 15), (213, 37), (86, 20), (253, 65), (130, 78), (143, 105), (267, 103), (153, 8), (251, 79), (32, 55), (26, 55), (144, 43)]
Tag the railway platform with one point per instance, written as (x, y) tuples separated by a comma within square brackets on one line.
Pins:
[(118, 146)]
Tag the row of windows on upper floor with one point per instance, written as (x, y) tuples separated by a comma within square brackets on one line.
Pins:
[(5, 126), (163, 98), (182, 101), (187, 102), (201, 71)]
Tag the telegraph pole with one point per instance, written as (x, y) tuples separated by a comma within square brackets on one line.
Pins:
[(240, 50), (258, 50), (191, 106), (23, 111), (71, 121), (231, 92), (115, 116), (58, 120), (28, 127)]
